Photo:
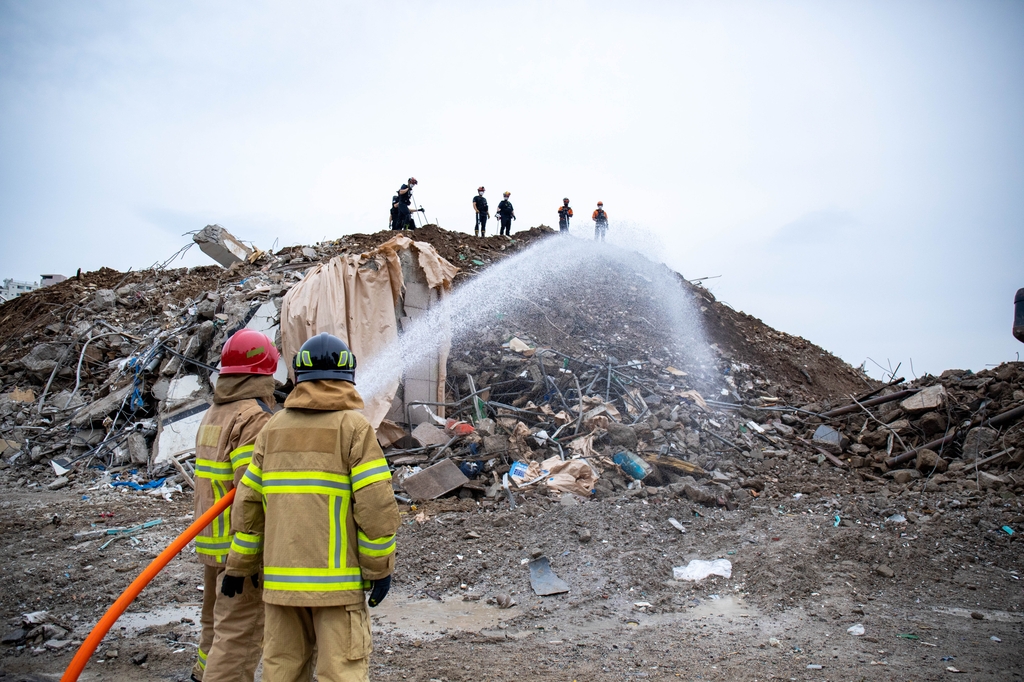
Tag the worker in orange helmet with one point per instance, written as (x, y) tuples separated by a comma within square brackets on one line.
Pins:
[(482, 212), (506, 214), (232, 629), (600, 222), (564, 213)]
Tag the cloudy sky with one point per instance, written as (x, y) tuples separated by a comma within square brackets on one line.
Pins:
[(853, 171)]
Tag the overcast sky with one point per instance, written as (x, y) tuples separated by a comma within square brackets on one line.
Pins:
[(854, 171)]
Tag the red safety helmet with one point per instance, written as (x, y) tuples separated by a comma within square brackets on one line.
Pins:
[(413, 181), (480, 189), (249, 352)]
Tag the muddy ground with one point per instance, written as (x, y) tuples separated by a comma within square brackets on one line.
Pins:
[(799, 582)]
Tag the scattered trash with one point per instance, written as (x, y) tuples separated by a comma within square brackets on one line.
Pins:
[(856, 630), (995, 639), (698, 569), (908, 636), (1007, 530), (675, 524), (635, 467), (897, 518), (434, 481)]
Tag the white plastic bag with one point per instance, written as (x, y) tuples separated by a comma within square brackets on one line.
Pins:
[(698, 569)]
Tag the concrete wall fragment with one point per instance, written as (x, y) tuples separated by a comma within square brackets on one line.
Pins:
[(221, 245)]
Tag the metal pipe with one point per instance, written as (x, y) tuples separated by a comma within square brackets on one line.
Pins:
[(905, 393)]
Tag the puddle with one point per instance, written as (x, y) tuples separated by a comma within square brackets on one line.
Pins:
[(428, 617), (140, 620)]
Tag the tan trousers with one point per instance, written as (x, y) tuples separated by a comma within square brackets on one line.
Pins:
[(232, 631), (340, 636)]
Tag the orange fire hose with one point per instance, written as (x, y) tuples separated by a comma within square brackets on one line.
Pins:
[(88, 647)]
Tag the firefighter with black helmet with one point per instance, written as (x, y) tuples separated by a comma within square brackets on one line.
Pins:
[(481, 211), (600, 222), (506, 214), (232, 629), (564, 213), (319, 514)]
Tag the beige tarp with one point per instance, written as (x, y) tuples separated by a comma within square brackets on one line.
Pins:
[(354, 297)]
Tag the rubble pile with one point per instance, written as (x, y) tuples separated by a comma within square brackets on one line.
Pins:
[(582, 450)]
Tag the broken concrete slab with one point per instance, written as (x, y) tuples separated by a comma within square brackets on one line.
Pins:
[(428, 434), (926, 400), (102, 407), (434, 481), (978, 442), (221, 245), (183, 390), (177, 431)]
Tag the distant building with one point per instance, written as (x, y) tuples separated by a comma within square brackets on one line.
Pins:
[(13, 288)]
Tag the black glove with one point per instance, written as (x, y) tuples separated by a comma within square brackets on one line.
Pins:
[(421, 210), (233, 584), (380, 590)]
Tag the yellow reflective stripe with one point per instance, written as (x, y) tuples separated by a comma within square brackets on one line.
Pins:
[(202, 660), (247, 543), (241, 456), (213, 546), (305, 483), (370, 472), (253, 478), (291, 579), (214, 470), (222, 523), (376, 547)]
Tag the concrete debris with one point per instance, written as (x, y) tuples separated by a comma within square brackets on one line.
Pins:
[(222, 246)]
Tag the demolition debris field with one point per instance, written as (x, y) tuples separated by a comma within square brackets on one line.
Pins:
[(770, 453)]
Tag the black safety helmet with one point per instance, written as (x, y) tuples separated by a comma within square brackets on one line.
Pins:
[(325, 356)]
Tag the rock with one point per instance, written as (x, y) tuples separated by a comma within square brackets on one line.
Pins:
[(904, 476), (752, 483), (782, 429), (206, 309), (14, 636), (584, 535), (668, 425), (932, 423), (928, 461), (856, 462), (104, 299), (926, 400), (699, 494), (885, 571), (58, 483), (536, 552), (495, 444), (622, 436), (42, 359), (987, 481), (140, 658), (112, 653), (875, 439), (978, 442), (859, 449), (900, 426), (830, 439), (56, 644), (977, 616)]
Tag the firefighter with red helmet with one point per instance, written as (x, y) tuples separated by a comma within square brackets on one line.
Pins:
[(564, 214), (232, 629)]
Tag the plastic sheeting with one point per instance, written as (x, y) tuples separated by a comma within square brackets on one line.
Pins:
[(355, 297)]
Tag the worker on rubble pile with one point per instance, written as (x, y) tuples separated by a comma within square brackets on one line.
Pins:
[(319, 513), (401, 215), (600, 222), (564, 213), (482, 212), (232, 629), (506, 214)]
